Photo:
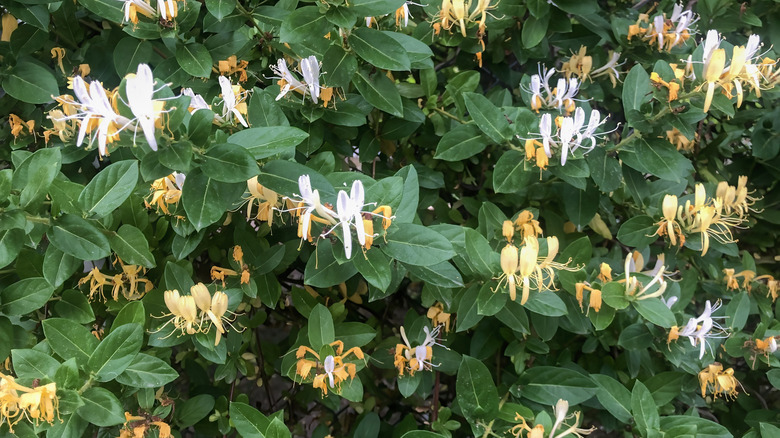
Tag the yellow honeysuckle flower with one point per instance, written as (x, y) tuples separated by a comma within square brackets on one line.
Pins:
[(197, 312), (9, 24), (231, 66), (681, 142), (632, 283), (719, 382), (712, 71), (336, 370), (266, 199), (19, 402), (166, 191), (59, 54), (18, 125), (438, 316), (418, 358)]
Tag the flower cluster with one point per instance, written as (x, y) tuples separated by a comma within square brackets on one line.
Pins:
[(219, 274), (197, 312), (167, 10), (664, 32), (711, 217), (460, 13), (715, 380), (233, 102), (571, 133), (700, 328), (96, 113), (417, 358), (334, 367), (166, 191), (231, 66), (266, 200), (523, 267), (129, 282), (36, 404), (594, 294), (137, 426), (309, 68), (348, 214), (635, 289), (438, 316), (559, 429), (746, 66), (581, 65)]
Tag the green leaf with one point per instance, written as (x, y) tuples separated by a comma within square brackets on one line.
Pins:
[(638, 232), (475, 391), (220, 8), (147, 371), (229, 163), (657, 157), (268, 141), (195, 59), (644, 409), (320, 327), (614, 397), (129, 52), (378, 49), (665, 386), (101, 408), (460, 143), (282, 177), (195, 409), (116, 352), (635, 337), (132, 313), (35, 174), (580, 205), (489, 119), (11, 242), (110, 188), (374, 266), (441, 274), (303, 24), (636, 88), (604, 169), (131, 246), (69, 339), (479, 253), (338, 67), (74, 306), (31, 83), (407, 384), (546, 385), (79, 238), (490, 301), (419, 53), (32, 364), (249, 422), (323, 270), (704, 428), (107, 9), (374, 8), (418, 245), (534, 30), (355, 334), (512, 172), (205, 200), (379, 91), (57, 266), (655, 311), (25, 296), (774, 377), (546, 303)]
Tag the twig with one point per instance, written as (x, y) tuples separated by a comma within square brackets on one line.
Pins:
[(266, 382)]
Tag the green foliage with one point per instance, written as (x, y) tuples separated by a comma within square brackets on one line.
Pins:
[(383, 218)]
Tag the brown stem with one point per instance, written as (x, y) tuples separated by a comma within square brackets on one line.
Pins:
[(271, 401)]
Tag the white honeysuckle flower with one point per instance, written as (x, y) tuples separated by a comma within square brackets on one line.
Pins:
[(94, 105), (330, 366), (197, 102), (711, 43), (310, 69), (349, 211), (311, 201), (658, 23), (287, 82), (704, 326), (230, 101), (545, 130), (167, 9), (140, 90), (566, 135), (669, 302), (132, 7)]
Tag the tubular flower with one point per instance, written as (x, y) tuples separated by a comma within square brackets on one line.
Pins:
[(167, 9), (18, 125), (772, 286), (417, 358), (719, 382), (9, 25), (335, 369), (632, 282), (526, 225), (147, 111), (137, 426), (266, 199), (665, 32), (509, 265), (572, 134), (609, 69), (736, 199), (438, 316), (700, 328), (672, 86), (460, 13), (133, 7), (165, 192), (129, 282), (681, 142), (559, 429), (595, 296), (94, 112), (19, 402), (197, 312), (349, 213), (528, 269), (730, 278), (668, 226), (233, 102), (231, 66), (309, 69)]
